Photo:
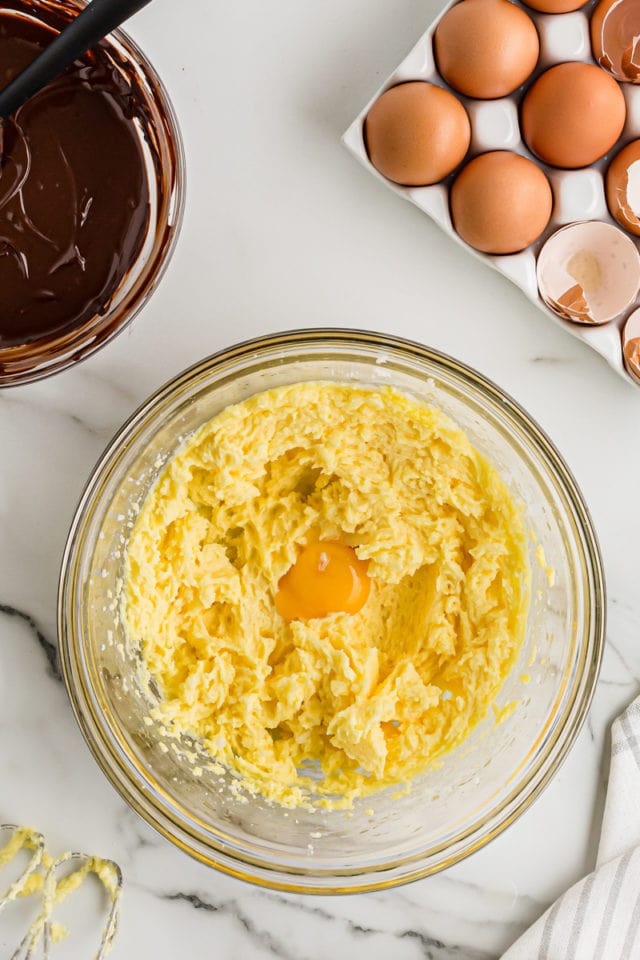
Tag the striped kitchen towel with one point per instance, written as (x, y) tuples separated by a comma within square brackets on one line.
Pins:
[(599, 918)]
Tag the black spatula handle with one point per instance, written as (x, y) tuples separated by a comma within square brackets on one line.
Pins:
[(98, 19)]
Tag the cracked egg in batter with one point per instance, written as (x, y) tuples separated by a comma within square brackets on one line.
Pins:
[(329, 579)]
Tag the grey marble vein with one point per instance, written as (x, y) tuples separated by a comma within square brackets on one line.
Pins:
[(115, 387), (433, 949), (551, 360), (261, 938), (623, 660), (49, 649), (430, 948), (51, 410)]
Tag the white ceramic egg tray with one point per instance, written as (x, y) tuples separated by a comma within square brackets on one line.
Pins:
[(578, 194)]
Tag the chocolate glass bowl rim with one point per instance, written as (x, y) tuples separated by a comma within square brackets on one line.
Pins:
[(27, 363), (128, 777)]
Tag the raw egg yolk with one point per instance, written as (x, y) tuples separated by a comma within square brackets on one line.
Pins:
[(326, 578)]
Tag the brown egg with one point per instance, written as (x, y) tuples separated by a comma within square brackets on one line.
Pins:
[(623, 188), (572, 115), (555, 6), (500, 202), (486, 48), (615, 38), (417, 133)]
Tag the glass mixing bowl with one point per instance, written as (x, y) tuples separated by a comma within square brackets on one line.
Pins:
[(481, 787), (165, 164)]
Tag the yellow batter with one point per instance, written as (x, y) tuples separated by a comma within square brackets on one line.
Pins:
[(371, 698)]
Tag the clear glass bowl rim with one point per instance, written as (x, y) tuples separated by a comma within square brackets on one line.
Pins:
[(84, 702)]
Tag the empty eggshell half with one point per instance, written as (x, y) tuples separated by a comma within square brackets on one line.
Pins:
[(623, 188), (615, 38), (631, 345), (589, 272)]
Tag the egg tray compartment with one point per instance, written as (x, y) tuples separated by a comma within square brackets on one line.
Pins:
[(495, 125)]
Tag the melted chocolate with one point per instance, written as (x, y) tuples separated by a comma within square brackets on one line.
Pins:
[(74, 193)]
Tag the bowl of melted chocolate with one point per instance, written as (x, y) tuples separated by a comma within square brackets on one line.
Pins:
[(91, 195)]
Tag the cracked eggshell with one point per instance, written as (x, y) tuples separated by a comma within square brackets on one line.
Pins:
[(589, 272), (631, 345), (615, 38), (623, 188)]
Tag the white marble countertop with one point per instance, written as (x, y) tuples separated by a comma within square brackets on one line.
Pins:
[(284, 229)]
